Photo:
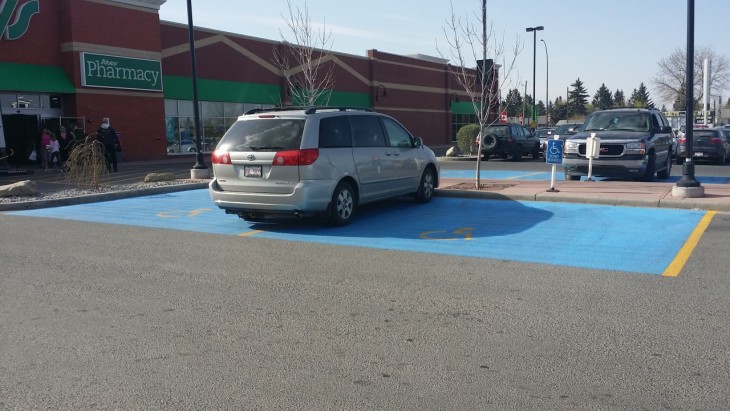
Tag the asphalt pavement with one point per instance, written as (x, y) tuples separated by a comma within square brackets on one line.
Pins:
[(607, 192)]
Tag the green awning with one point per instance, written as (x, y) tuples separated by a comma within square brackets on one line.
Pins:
[(462, 107), (35, 78)]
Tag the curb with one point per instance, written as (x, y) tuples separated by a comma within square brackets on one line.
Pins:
[(94, 198)]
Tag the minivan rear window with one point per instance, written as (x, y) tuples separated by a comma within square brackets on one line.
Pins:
[(263, 135)]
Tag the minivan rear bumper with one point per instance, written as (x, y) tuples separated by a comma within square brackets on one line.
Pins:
[(309, 197)]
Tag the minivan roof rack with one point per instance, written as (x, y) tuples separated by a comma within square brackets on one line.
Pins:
[(307, 109), (278, 108), (312, 110)]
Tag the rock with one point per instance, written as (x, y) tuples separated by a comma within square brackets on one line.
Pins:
[(152, 177), (21, 188), (453, 152)]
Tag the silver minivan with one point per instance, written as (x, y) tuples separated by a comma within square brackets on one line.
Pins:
[(297, 162)]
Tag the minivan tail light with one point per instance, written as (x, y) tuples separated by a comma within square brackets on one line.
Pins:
[(220, 157), (302, 157), (682, 140), (716, 140)]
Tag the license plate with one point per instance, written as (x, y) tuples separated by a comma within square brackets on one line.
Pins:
[(699, 154), (252, 171)]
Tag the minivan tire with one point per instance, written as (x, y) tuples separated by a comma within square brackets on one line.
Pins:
[(426, 186), (342, 207)]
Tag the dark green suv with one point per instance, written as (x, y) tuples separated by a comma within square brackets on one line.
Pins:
[(509, 140)]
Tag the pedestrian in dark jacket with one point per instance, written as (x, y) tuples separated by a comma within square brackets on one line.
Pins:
[(108, 136)]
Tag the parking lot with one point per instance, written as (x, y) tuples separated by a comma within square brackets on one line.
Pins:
[(577, 235)]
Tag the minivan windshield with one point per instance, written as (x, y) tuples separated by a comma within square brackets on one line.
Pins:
[(617, 121), (263, 135)]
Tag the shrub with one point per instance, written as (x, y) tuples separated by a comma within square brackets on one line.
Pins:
[(465, 138), (86, 165)]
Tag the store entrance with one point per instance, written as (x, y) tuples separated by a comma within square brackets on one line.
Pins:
[(22, 135)]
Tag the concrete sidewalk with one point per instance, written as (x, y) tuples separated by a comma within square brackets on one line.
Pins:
[(607, 192), (620, 193)]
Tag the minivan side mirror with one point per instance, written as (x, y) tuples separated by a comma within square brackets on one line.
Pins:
[(418, 142), (666, 129)]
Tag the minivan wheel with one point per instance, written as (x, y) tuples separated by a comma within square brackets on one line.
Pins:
[(425, 189), (342, 207)]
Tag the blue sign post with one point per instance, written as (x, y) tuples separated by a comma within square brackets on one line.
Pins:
[(554, 156)]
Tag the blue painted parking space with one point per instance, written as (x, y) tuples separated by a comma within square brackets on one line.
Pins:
[(641, 240), (542, 176)]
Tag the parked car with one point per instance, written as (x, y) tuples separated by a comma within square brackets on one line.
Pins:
[(564, 131), (182, 146), (509, 140), (634, 143), (544, 134), (707, 144), (297, 162)]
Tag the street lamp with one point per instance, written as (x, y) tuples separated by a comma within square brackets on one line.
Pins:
[(547, 77), (688, 185), (199, 170), (534, 31)]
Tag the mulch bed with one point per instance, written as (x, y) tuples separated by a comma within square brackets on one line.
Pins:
[(471, 186)]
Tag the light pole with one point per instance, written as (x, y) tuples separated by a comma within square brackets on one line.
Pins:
[(199, 170), (534, 31), (547, 77)]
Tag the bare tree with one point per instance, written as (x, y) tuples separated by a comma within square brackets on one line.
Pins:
[(484, 85), (306, 62), (669, 82)]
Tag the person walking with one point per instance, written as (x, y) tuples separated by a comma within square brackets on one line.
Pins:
[(45, 148), (54, 152), (108, 137), (66, 141)]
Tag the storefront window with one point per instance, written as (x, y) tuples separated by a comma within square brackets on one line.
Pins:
[(211, 109), (185, 108), (8, 100), (28, 101), (460, 120), (171, 108), (215, 117), (232, 109)]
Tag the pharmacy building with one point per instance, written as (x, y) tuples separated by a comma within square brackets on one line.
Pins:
[(60, 67)]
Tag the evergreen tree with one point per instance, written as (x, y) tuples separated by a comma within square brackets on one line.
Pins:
[(640, 97), (577, 99), (603, 98), (513, 103), (540, 108), (618, 99), (557, 110)]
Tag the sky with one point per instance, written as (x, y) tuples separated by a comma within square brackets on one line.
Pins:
[(613, 42)]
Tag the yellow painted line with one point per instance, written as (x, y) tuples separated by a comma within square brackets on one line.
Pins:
[(248, 233), (525, 175), (683, 255)]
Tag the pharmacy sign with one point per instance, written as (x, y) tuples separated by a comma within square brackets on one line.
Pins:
[(99, 70)]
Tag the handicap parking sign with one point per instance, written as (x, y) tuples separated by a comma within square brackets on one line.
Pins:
[(554, 152)]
